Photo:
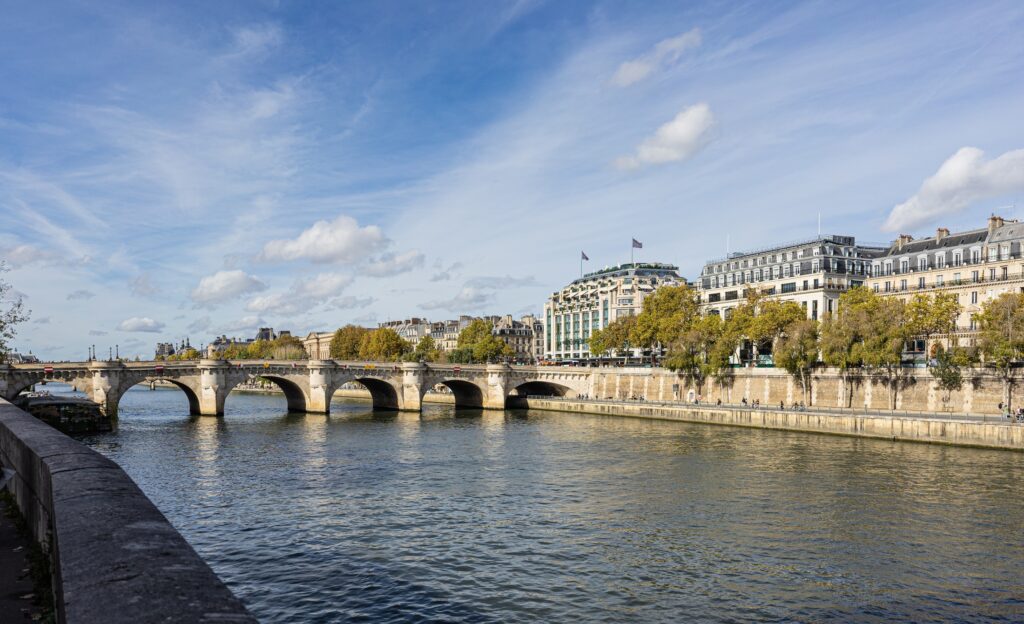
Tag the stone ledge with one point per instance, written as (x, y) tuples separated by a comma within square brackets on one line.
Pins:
[(117, 560)]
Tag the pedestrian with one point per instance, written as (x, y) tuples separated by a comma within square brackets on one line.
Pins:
[(782, 405)]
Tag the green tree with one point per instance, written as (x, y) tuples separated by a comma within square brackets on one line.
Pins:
[(770, 320), (383, 345), (931, 315), (479, 342), (947, 369), (346, 341), (883, 340), (694, 353), (426, 351), (287, 348), (1001, 337), (11, 315), (667, 313), (797, 352), (615, 338), (841, 336)]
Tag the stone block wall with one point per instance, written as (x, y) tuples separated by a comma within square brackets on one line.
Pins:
[(116, 559), (981, 392)]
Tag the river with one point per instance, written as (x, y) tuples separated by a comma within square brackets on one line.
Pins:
[(528, 516)]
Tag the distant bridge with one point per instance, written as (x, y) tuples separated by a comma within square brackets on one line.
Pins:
[(308, 385)]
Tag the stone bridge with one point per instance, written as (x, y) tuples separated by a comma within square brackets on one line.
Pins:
[(307, 385)]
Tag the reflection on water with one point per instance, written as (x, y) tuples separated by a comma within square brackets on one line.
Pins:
[(497, 517)]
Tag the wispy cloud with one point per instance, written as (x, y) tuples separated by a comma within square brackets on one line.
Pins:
[(468, 299), (80, 294), (304, 295), (390, 264), (663, 54)]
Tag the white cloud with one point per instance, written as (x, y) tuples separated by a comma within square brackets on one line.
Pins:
[(225, 285), (303, 295), (966, 177), (393, 264), (341, 240), (468, 299), (677, 140), (140, 324), (661, 55), (80, 294), (255, 39), (97, 332)]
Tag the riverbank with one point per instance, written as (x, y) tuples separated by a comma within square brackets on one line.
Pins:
[(995, 435)]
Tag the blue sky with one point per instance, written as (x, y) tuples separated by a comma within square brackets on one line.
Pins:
[(192, 169)]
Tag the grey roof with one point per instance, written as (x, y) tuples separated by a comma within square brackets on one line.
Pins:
[(923, 245), (1009, 231)]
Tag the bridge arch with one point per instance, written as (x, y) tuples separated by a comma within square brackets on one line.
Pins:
[(540, 388), (383, 394), (295, 395), (190, 392), (466, 393)]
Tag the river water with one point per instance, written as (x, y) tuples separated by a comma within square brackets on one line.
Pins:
[(528, 516)]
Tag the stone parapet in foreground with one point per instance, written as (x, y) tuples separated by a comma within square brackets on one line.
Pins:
[(116, 559), (996, 435)]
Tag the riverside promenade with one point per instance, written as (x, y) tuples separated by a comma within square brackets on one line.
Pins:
[(934, 428)]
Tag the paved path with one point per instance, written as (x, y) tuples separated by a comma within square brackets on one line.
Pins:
[(15, 583)]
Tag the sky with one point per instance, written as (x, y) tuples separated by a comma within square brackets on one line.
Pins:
[(192, 169)]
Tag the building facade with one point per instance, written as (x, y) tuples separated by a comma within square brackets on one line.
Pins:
[(812, 272), (976, 266), (593, 301), (318, 345), (411, 330), (517, 335)]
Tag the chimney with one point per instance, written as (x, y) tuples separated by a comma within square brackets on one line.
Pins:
[(903, 240), (941, 233), (993, 223)]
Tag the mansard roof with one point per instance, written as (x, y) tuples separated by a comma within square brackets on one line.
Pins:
[(924, 245)]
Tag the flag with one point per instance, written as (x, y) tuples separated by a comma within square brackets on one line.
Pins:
[(637, 244), (583, 256)]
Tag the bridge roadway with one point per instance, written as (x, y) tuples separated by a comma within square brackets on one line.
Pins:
[(308, 385)]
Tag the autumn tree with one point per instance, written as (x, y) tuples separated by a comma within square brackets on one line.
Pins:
[(478, 342), (12, 313), (666, 314), (383, 345), (840, 336), (693, 353), (883, 340), (346, 341), (1001, 337), (931, 315), (617, 337), (797, 352), (426, 351)]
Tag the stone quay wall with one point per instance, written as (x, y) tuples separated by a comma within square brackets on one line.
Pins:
[(981, 392), (116, 559), (996, 435)]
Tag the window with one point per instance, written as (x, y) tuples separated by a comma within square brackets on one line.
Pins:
[(1005, 269), (788, 287), (876, 287), (920, 282), (974, 297), (957, 259), (922, 264), (939, 281), (974, 276), (903, 284), (956, 278), (888, 286), (992, 273)]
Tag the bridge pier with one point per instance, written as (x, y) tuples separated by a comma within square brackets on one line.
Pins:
[(213, 387), (104, 389), (410, 399), (321, 386), (497, 386)]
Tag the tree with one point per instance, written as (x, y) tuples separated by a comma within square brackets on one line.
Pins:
[(287, 348), (345, 342), (770, 321), (693, 353), (840, 336), (616, 337), (947, 369), (930, 315), (666, 314), (479, 342), (383, 345), (426, 351), (11, 315), (797, 352), (1001, 336), (883, 339)]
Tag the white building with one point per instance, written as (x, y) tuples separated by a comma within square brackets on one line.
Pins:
[(812, 272), (572, 314)]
